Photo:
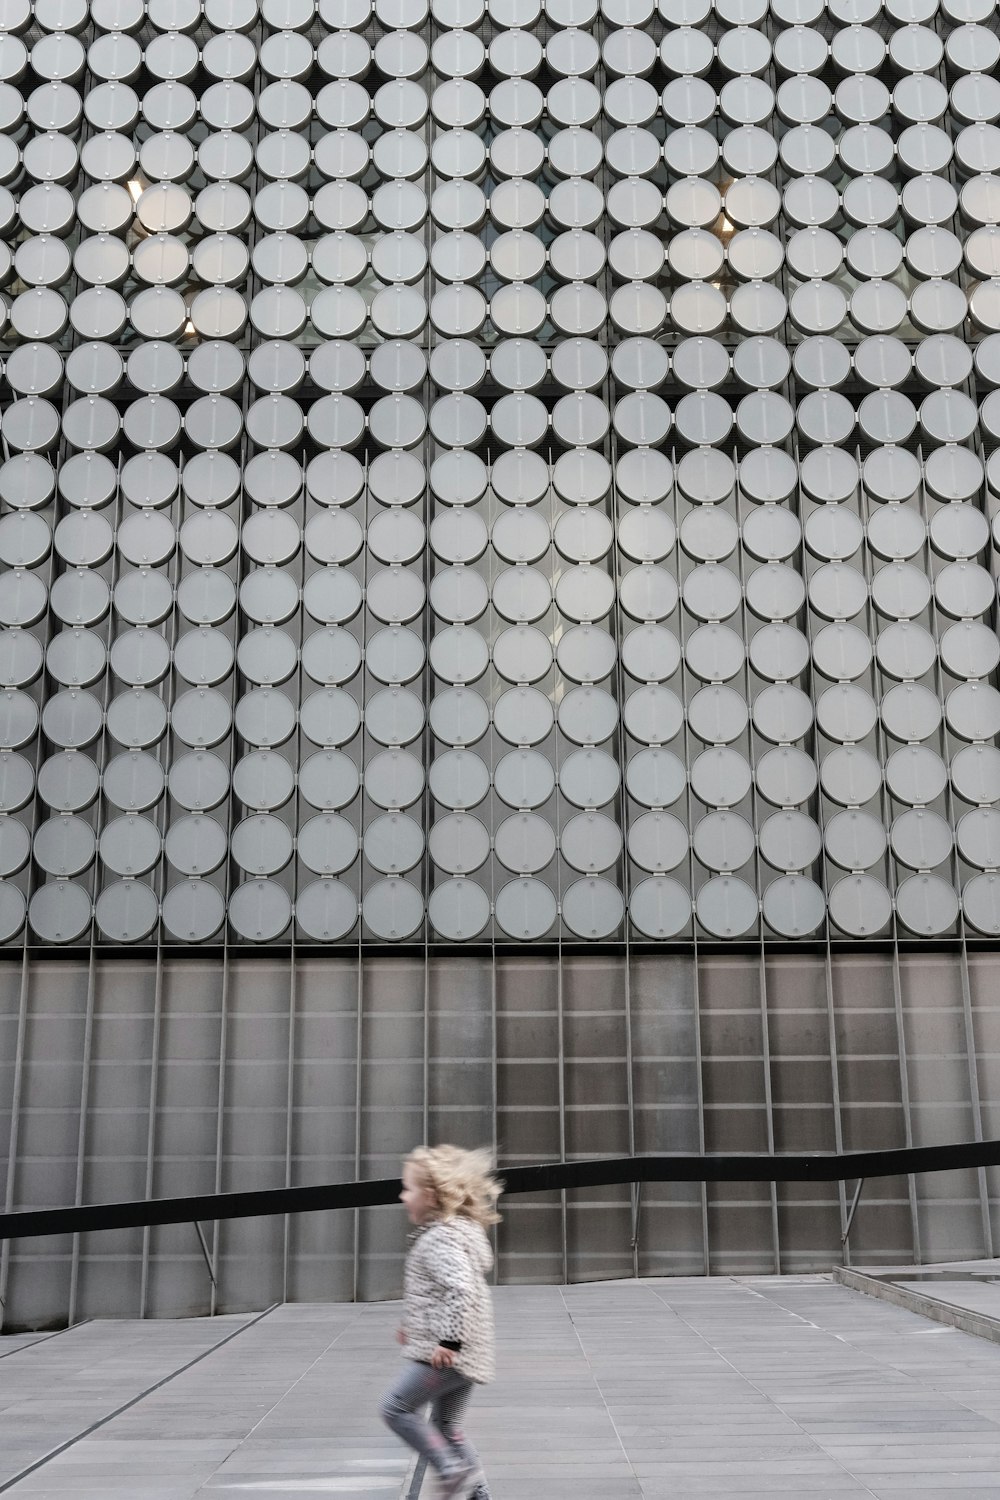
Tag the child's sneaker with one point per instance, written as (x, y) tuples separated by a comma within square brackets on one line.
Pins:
[(456, 1484), (480, 1492)]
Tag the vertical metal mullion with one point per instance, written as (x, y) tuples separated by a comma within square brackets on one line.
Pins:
[(359, 1029), (699, 1060), (490, 865), (154, 1089), (979, 448), (494, 1075), (560, 979), (289, 1106), (559, 956), (356, 1272), (683, 624), (820, 810), (758, 879), (807, 622), (161, 876), (426, 621), (15, 1121), (838, 1122), (885, 810), (244, 505), (556, 674), (897, 992), (975, 1097), (621, 745), (81, 1139), (630, 1085), (956, 880), (427, 1038), (220, 1118), (50, 569), (293, 962), (828, 957), (769, 1103)]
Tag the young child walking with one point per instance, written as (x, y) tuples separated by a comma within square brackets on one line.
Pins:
[(447, 1330)]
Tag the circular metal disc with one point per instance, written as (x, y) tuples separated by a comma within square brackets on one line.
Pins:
[(981, 904), (651, 653), (459, 843), (723, 841), (259, 910), (658, 841), (916, 775), (794, 906), (15, 847), (127, 911), (927, 905), (261, 845), (727, 907), (593, 908), (393, 843), (393, 909), (60, 912), (525, 843), (459, 910), (195, 845), (326, 910), (525, 909), (656, 778), (786, 777), (860, 905), (327, 844), (659, 907), (193, 911), (720, 777), (591, 842)]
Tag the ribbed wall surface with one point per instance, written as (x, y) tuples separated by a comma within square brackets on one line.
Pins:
[(132, 1082)]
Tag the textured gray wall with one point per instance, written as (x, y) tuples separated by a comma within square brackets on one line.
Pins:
[(124, 1081)]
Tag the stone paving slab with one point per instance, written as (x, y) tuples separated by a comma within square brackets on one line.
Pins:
[(787, 1388), (15, 1341), (53, 1388)]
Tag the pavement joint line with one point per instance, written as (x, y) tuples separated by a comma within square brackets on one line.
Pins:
[(45, 1337), (810, 1437), (597, 1383), (939, 1308), (360, 1312), (78, 1437), (885, 1291), (419, 1470)]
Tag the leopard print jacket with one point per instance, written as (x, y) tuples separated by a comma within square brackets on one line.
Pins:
[(446, 1299)]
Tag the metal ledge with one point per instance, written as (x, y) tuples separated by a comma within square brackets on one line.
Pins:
[(936, 1308)]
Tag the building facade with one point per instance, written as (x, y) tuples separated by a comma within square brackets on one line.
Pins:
[(497, 519)]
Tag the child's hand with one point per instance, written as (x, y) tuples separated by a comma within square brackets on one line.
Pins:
[(400, 1335), (443, 1359)]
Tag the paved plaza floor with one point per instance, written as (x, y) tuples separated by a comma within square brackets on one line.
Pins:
[(650, 1390)]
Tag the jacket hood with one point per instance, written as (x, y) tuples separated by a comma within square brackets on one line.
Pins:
[(474, 1240)]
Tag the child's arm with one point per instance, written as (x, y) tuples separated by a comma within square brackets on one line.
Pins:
[(453, 1273)]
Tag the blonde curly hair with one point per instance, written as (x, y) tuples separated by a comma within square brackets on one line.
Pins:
[(462, 1181)]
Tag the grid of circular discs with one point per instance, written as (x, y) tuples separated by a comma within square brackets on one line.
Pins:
[(498, 470)]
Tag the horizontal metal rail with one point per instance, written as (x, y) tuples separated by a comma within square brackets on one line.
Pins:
[(553, 1176)]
